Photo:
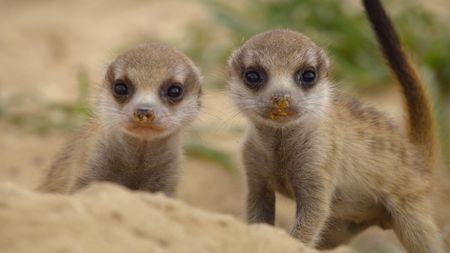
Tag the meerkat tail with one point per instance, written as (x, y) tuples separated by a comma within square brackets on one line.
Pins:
[(421, 123)]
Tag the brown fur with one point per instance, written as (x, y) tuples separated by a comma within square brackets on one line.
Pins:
[(421, 123), (346, 165), (108, 149)]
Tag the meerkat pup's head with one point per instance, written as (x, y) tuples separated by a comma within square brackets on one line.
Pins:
[(279, 78), (150, 91)]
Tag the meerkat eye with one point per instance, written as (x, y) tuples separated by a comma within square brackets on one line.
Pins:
[(121, 88), (306, 78), (254, 78), (175, 91)]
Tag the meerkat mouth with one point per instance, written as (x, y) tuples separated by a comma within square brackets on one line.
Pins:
[(145, 128), (281, 114), (280, 117)]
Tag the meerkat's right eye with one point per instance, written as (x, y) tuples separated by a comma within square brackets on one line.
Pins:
[(172, 92), (120, 88), (253, 78)]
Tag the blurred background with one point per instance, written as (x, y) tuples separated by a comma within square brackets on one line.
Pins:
[(54, 53)]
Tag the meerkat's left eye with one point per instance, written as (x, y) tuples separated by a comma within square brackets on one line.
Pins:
[(175, 91), (306, 78), (120, 88), (254, 78)]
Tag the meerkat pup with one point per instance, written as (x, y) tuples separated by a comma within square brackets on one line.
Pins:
[(345, 164), (150, 93)]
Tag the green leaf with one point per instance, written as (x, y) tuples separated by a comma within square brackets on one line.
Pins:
[(197, 149)]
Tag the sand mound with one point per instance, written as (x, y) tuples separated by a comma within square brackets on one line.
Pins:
[(109, 218)]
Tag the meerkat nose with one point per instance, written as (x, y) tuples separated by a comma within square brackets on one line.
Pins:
[(280, 106), (281, 102), (144, 114)]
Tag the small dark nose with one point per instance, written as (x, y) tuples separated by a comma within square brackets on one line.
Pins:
[(144, 115)]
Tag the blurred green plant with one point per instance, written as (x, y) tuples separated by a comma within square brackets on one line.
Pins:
[(194, 147), (37, 114)]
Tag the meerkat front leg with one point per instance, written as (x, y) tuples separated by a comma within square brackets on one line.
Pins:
[(313, 192), (164, 178), (260, 202), (261, 196)]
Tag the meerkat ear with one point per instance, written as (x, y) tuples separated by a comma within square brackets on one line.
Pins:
[(232, 61), (324, 63), (238, 57), (109, 75), (198, 73)]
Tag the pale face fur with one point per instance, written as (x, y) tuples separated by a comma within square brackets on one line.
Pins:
[(149, 70), (281, 56)]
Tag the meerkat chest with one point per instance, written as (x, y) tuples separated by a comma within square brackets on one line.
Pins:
[(282, 183), (281, 153), (285, 159), (132, 168)]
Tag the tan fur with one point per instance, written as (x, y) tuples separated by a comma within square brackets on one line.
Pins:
[(111, 148), (346, 165)]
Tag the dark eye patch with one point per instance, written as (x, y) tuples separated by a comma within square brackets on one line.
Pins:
[(173, 91), (306, 78), (122, 90), (254, 77)]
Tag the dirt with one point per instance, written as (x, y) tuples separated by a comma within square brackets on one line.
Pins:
[(43, 46), (109, 218)]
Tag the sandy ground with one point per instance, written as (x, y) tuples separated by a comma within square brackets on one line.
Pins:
[(97, 224), (43, 45)]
